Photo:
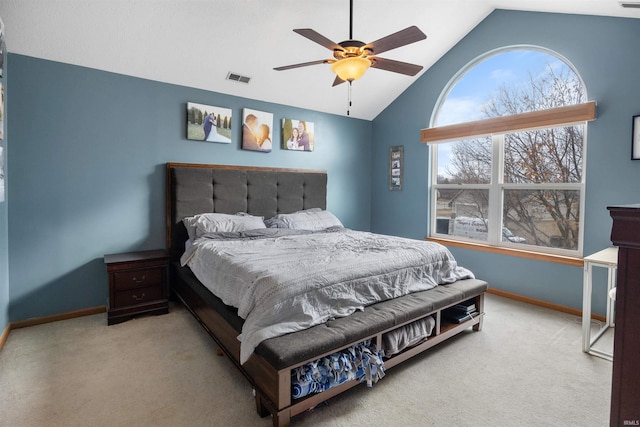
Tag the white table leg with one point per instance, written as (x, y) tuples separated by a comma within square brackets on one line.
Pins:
[(586, 308), (611, 318)]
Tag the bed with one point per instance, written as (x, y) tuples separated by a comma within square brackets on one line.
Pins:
[(283, 348)]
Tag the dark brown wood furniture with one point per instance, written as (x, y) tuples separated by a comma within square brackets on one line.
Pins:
[(625, 387), (138, 284), (193, 189)]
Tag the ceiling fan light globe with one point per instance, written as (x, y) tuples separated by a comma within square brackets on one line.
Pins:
[(350, 69)]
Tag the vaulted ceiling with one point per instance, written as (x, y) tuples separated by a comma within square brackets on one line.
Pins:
[(196, 43)]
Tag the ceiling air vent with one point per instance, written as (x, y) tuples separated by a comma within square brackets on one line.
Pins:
[(238, 78), (630, 4)]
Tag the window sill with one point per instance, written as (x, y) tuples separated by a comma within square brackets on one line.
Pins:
[(538, 256)]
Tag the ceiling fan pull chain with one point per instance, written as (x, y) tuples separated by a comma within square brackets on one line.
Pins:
[(349, 107)]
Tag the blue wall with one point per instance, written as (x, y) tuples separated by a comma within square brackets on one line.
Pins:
[(88, 153), (86, 168), (604, 52)]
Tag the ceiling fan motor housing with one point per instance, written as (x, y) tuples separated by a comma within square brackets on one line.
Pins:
[(351, 48)]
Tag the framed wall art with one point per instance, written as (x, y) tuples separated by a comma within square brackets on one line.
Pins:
[(208, 123), (1, 174), (297, 135), (257, 127), (635, 138), (396, 166), (1, 111), (2, 48)]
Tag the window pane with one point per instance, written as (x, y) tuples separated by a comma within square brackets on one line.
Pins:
[(544, 156), (503, 83), (548, 218), (462, 213), (465, 162)]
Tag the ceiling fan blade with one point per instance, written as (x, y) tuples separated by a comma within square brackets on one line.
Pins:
[(395, 66), (337, 81), (401, 38), (318, 38), (303, 64)]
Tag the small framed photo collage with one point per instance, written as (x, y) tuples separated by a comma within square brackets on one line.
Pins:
[(2, 153), (396, 166)]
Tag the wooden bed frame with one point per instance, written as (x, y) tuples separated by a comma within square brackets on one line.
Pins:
[(272, 385)]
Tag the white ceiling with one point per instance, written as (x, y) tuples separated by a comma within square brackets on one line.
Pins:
[(196, 43)]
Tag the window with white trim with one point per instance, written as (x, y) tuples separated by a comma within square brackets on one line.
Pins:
[(509, 140)]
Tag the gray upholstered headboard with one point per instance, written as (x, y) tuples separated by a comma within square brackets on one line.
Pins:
[(194, 189)]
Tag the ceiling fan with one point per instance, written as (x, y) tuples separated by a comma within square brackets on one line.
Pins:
[(353, 57)]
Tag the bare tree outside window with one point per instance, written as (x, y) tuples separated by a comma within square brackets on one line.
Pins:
[(540, 168)]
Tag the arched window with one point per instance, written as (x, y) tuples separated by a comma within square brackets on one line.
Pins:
[(507, 165)]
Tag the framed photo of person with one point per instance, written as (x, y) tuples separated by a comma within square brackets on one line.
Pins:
[(297, 135), (1, 174), (1, 111), (257, 128), (208, 123), (396, 166), (2, 48)]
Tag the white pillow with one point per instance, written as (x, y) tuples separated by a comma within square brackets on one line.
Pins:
[(200, 224), (311, 219)]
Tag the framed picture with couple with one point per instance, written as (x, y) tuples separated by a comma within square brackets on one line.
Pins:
[(256, 130), (208, 123), (297, 135)]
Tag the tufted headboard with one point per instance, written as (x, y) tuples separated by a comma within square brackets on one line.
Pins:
[(196, 188)]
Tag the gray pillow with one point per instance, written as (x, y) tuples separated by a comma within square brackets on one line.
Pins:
[(200, 224), (310, 219)]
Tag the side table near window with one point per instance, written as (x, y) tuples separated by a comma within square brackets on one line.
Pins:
[(607, 258), (138, 284)]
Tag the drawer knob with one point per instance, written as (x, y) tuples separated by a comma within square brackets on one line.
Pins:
[(139, 281), (138, 298)]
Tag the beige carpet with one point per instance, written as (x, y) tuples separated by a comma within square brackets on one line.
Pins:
[(525, 368)]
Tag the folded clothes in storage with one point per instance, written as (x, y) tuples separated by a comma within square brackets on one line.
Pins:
[(395, 341), (361, 361)]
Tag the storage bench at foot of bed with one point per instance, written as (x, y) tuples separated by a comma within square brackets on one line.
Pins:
[(269, 368), (281, 418), (403, 311)]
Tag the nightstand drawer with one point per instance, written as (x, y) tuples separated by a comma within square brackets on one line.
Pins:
[(139, 278), (138, 296)]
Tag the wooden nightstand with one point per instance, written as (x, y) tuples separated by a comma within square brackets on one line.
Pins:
[(137, 284)]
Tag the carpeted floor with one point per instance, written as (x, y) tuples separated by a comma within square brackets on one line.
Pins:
[(525, 368)]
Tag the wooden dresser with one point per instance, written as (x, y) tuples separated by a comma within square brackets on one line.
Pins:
[(138, 284), (625, 388)]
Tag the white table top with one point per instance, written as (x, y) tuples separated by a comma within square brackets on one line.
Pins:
[(607, 256)]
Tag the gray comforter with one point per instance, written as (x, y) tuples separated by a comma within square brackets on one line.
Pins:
[(285, 281)]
